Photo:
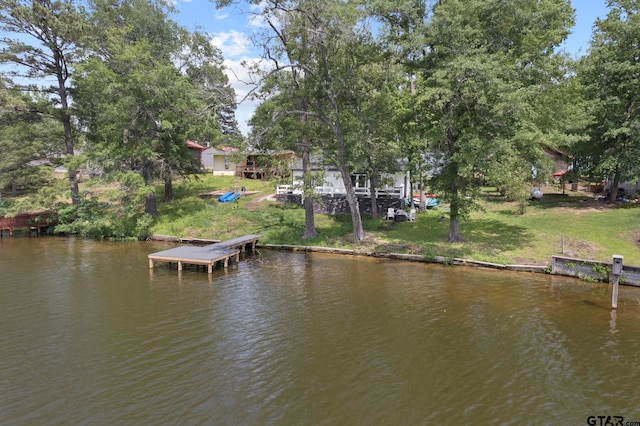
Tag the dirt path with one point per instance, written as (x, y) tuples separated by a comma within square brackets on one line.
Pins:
[(257, 200)]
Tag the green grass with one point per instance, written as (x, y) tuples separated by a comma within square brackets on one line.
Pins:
[(590, 229)]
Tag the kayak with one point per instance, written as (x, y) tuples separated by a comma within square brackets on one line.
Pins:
[(229, 197)]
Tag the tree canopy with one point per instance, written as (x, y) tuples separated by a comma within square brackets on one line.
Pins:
[(484, 66), (150, 87), (40, 41), (610, 75)]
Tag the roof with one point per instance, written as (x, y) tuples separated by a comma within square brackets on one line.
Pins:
[(195, 145), (317, 164)]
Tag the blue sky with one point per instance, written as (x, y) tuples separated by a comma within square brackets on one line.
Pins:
[(230, 29)]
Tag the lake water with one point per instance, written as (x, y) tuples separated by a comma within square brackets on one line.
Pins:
[(89, 335)]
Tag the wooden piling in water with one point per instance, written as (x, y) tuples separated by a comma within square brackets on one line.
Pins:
[(616, 272)]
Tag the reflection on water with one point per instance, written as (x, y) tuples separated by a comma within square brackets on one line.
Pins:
[(90, 335)]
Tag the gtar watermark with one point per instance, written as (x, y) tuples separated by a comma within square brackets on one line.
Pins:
[(610, 421)]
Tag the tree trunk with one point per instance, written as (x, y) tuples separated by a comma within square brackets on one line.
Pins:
[(150, 204), (75, 191), (454, 230), (613, 193), (14, 188), (309, 220), (338, 132), (168, 189), (309, 214), (454, 192), (65, 117), (354, 207), (454, 216), (373, 184)]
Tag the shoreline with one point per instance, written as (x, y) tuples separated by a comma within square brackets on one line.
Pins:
[(545, 269), (582, 269)]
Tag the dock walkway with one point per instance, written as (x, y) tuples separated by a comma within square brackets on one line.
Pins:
[(240, 242), (207, 255)]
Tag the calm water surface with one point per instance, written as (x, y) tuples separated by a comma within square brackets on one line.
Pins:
[(89, 335)]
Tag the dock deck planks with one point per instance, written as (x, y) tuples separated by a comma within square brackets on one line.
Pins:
[(240, 242), (205, 255)]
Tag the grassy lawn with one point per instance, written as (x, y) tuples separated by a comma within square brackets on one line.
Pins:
[(590, 229)]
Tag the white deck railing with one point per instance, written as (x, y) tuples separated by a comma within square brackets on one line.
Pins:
[(284, 189), (394, 192)]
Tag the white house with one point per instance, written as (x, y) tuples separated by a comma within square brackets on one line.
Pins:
[(397, 185), (221, 162)]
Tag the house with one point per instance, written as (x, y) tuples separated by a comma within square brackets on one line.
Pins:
[(195, 150), (332, 193), (560, 160), (228, 161), (221, 161), (261, 165), (398, 183)]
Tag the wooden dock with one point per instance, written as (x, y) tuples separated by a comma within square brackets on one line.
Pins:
[(207, 255)]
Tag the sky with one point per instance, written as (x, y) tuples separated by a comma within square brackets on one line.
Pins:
[(230, 28)]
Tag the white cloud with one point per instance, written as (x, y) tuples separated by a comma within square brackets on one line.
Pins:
[(232, 43), (236, 49), (242, 82), (256, 20)]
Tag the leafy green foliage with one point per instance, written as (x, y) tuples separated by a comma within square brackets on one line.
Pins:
[(151, 87), (114, 213), (40, 40), (485, 64), (26, 135), (610, 78)]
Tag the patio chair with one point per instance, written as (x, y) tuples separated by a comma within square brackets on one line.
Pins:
[(412, 215), (391, 214)]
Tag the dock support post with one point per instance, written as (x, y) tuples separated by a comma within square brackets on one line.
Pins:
[(616, 272), (210, 268), (150, 263), (179, 265)]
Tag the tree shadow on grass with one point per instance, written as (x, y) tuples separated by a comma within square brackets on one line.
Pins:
[(488, 237), (494, 235), (554, 201), (175, 210)]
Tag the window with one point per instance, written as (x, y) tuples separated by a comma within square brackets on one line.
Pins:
[(360, 180)]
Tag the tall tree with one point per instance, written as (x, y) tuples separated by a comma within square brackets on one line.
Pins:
[(377, 149), (40, 39), (287, 92), (610, 74), (26, 134), (139, 99), (482, 64), (329, 42)]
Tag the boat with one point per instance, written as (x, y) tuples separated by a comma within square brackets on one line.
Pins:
[(229, 197), (430, 202)]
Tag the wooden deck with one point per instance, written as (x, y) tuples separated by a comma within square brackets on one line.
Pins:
[(33, 221), (207, 255)]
